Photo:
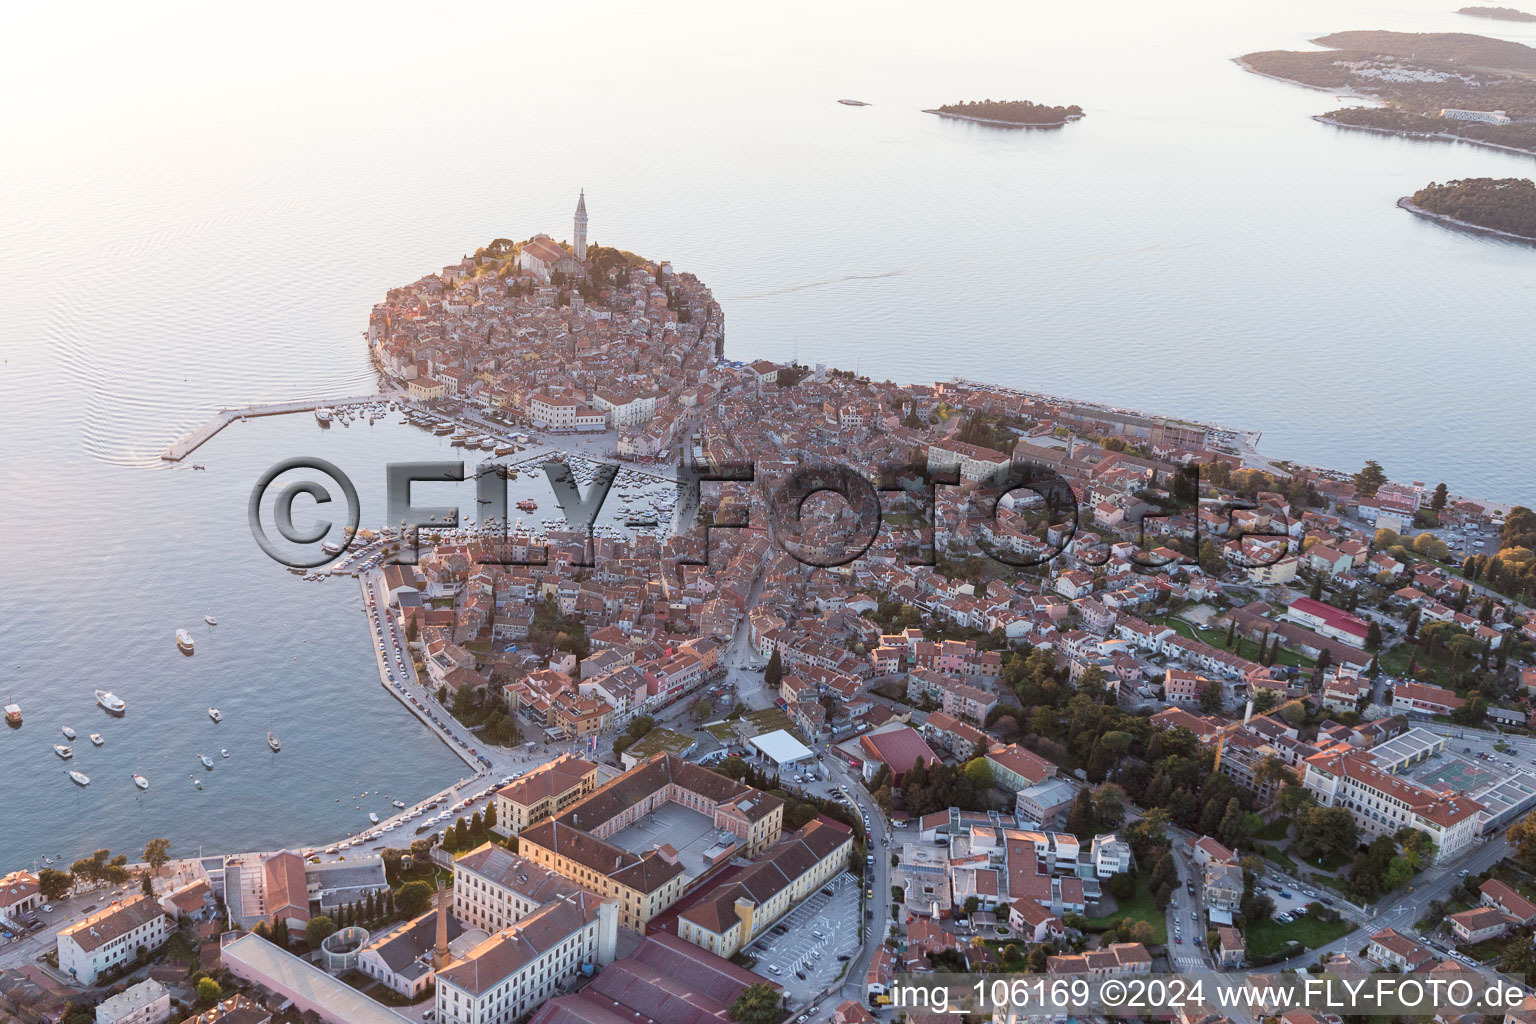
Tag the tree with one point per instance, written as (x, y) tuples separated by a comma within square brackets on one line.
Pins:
[(490, 816), (413, 898), (318, 929), (773, 675), (1373, 636), (1370, 478), (757, 1004), (208, 991), (1438, 501), (1316, 593), (156, 853), (979, 772), (1522, 838), (1080, 818), (1210, 697), (54, 884)]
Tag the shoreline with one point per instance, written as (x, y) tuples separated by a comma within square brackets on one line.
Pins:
[(1406, 203), (1007, 124), (1425, 136)]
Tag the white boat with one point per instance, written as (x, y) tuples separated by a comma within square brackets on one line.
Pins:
[(223, 751), (81, 779), (110, 701), (69, 733), (214, 714), (198, 783), (373, 817), (323, 414), (272, 742), (207, 761), (96, 739), (399, 803), (331, 548), (210, 620), (63, 751), (140, 781), (184, 640)]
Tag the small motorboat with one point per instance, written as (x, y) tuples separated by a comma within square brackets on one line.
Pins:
[(197, 782), (373, 817), (184, 640), (214, 714), (207, 761), (399, 803), (65, 752), (69, 733), (140, 781), (272, 742), (96, 739), (80, 778), (223, 751), (110, 702), (210, 620)]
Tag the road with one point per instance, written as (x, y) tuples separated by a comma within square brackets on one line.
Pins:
[(1403, 910)]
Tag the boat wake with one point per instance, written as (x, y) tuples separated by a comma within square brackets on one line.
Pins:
[(817, 284)]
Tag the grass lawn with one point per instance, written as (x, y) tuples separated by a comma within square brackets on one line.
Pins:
[(1270, 937), (1333, 863), (768, 720), (1140, 907), (1274, 831), (1244, 648), (1484, 950), (1274, 856), (721, 731)]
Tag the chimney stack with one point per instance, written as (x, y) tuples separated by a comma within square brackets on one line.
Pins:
[(440, 954)]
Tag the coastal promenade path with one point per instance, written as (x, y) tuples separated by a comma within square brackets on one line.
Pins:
[(185, 446)]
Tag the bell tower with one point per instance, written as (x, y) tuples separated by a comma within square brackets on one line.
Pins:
[(579, 237)]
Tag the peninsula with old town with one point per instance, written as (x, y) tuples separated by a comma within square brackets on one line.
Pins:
[(1216, 711)]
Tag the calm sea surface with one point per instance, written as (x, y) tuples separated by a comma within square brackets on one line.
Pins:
[(200, 207)]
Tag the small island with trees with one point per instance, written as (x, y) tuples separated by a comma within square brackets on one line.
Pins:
[(1502, 206), (1430, 85), (1500, 13), (1010, 113)]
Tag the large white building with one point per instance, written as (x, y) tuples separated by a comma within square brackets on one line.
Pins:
[(494, 888), (515, 970), (1485, 116), (19, 894), (111, 937), (148, 1002), (1382, 803)]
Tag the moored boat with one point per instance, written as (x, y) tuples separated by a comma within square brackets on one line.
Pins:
[(65, 752), (214, 714), (140, 781), (323, 414), (80, 778), (210, 620), (398, 803), (207, 761), (184, 640), (373, 817), (13, 715), (97, 739), (69, 733), (272, 742), (110, 701)]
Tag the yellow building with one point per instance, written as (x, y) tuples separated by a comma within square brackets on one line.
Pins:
[(544, 793)]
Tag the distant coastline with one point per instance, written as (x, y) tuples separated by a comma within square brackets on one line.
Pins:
[(1407, 203), (1497, 13)]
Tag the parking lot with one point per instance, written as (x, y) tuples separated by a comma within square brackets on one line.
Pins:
[(801, 952)]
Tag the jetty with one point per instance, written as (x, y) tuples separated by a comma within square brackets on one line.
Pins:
[(189, 443)]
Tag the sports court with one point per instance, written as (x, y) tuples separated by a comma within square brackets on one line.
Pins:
[(1459, 775)]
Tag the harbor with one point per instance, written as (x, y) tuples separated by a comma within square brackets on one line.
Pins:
[(210, 427)]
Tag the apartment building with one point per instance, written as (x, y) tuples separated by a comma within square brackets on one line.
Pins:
[(112, 937)]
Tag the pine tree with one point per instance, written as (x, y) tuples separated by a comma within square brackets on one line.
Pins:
[(1316, 593), (490, 815)]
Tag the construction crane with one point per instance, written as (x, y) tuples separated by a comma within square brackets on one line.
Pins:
[(1231, 727)]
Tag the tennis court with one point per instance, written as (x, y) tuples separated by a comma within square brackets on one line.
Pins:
[(1458, 775)]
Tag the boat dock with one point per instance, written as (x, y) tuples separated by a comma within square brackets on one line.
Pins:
[(188, 444)]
